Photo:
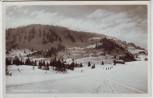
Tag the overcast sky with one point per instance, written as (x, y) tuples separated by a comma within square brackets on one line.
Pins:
[(125, 22)]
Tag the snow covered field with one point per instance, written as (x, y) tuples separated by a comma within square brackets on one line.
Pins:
[(128, 78)]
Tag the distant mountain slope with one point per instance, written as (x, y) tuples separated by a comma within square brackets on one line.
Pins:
[(56, 38), (40, 37)]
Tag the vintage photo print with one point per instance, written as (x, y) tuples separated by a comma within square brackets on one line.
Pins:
[(81, 48)]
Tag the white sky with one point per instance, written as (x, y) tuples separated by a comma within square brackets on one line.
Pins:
[(126, 22)]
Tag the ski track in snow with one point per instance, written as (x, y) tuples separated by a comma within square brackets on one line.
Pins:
[(51, 81), (107, 87)]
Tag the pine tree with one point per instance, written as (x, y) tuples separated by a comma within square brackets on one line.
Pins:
[(8, 61), (114, 62), (16, 61), (28, 62), (89, 64), (114, 56), (93, 66), (81, 65), (102, 63)]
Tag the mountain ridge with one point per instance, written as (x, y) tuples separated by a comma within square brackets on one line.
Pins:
[(56, 38), (46, 34)]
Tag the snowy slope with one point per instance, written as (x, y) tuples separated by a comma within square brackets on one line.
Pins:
[(129, 78), (19, 52)]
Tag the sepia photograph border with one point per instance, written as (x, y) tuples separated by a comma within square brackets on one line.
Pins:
[(4, 4)]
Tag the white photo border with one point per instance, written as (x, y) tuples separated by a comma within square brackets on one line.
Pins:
[(4, 4)]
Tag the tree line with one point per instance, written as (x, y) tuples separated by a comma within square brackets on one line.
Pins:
[(55, 64)]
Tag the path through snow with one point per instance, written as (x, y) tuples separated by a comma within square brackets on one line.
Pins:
[(130, 78)]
